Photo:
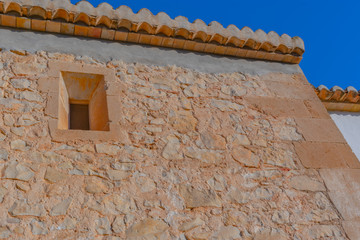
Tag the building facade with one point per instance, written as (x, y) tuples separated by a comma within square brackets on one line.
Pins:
[(117, 125)]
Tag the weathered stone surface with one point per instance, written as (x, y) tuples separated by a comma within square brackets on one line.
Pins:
[(213, 141), (53, 175), (96, 185), (18, 145), (117, 175), (239, 139), (227, 233), (61, 208), (23, 186), (107, 149), (147, 229), (103, 226), (187, 226), (19, 131), (68, 223), (304, 183), (203, 155), (4, 232), (26, 120), (218, 182), (238, 196), (182, 121), (288, 133), (4, 154), (324, 231), (145, 184), (199, 198), (18, 171), (270, 234), (281, 217), (245, 156), (38, 227), (3, 191), (172, 150), (22, 208), (9, 120), (223, 105), (20, 83), (29, 96), (236, 91), (118, 226)]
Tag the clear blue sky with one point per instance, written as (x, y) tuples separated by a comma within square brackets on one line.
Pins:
[(330, 28)]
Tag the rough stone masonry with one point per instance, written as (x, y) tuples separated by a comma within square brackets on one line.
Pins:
[(220, 155)]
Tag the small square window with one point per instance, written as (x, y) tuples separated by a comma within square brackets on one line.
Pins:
[(82, 102)]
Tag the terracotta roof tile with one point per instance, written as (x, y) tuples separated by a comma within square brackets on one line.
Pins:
[(226, 41), (337, 94)]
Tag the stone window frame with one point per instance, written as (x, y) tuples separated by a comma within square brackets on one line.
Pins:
[(50, 85)]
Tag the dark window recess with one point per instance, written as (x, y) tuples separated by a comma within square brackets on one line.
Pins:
[(79, 116)]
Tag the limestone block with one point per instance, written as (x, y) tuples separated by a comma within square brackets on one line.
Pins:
[(235, 91), (9, 120), (53, 175), (187, 226), (3, 192), (102, 226), (117, 175), (223, 105), (19, 145), (96, 185), (26, 120), (172, 150), (20, 83), (118, 225), (324, 231), (19, 131), (61, 208), (245, 156), (107, 149), (182, 121), (18, 171), (204, 155), (199, 198), (304, 183), (237, 196), (38, 227), (4, 232), (29, 96), (4, 154), (148, 228), (68, 223), (213, 141), (281, 217), (22, 208), (227, 233)]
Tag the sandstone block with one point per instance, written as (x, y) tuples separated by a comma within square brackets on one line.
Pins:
[(326, 155), (324, 231), (18, 171), (187, 226), (53, 175), (147, 229), (61, 208), (145, 184), (281, 217), (19, 131), (287, 133), (304, 183), (199, 198), (107, 149), (239, 139), (38, 227), (23, 186), (22, 208), (224, 105), (352, 229), (102, 226), (9, 120), (319, 130)]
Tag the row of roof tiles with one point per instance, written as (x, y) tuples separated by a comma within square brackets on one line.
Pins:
[(337, 94), (144, 22)]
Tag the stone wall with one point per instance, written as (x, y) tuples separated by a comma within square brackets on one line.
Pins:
[(203, 156)]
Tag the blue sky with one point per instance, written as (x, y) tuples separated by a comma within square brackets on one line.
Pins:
[(330, 29)]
